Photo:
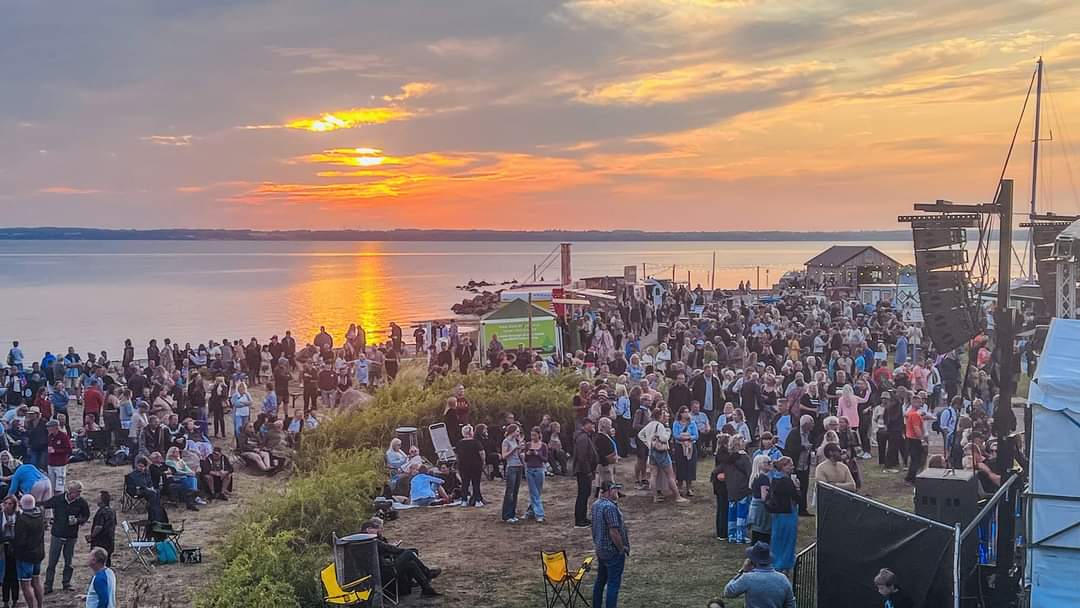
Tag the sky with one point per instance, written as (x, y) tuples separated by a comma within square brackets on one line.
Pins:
[(526, 114)]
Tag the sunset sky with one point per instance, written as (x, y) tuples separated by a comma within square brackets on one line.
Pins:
[(524, 114)]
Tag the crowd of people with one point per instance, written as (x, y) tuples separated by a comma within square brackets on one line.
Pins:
[(778, 395)]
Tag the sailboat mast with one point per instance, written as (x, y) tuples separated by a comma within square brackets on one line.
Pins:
[(1035, 167)]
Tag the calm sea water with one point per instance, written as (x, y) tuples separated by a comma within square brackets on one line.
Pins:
[(93, 294)]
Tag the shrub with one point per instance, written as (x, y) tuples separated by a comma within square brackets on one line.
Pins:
[(274, 555), (404, 404)]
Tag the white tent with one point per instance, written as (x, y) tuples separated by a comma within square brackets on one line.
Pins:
[(1053, 565)]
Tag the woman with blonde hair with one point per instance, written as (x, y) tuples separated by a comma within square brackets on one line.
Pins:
[(758, 517), (659, 442), (241, 405)]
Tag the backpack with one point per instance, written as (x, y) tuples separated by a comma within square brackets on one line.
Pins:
[(166, 552)]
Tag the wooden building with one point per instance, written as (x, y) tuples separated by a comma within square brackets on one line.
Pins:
[(851, 265)]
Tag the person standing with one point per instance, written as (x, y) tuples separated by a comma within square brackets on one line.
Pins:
[(471, 458), (102, 590), (70, 511), (585, 463), (707, 390), (762, 586), (612, 541), (782, 502), (241, 404), (10, 580), (536, 459), (798, 447), (28, 548), (103, 529), (913, 438), (59, 451), (515, 470)]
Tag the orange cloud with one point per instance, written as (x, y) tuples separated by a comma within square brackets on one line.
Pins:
[(410, 90), (428, 178), (341, 119), (66, 190)]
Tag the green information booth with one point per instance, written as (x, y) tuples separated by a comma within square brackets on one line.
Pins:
[(511, 324)]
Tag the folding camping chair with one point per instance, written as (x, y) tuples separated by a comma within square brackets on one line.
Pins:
[(440, 440), (141, 548), (129, 502), (561, 585), (338, 595)]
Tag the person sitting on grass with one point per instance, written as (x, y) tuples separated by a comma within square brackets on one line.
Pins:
[(405, 564), (217, 474), (396, 458), (276, 442), (251, 449), (426, 489)]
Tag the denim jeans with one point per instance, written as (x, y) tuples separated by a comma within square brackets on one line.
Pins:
[(56, 546), (238, 424), (535, 479), (736, 519), (608, 573), (513, 483), (36, 458)]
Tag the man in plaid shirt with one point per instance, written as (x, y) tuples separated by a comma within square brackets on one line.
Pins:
[(612, 542)]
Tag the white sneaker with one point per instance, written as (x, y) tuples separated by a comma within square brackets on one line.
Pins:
[(512, 520), (199, 500), (479, 503)]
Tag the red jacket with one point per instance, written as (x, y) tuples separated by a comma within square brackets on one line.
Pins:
[(59, 449), (93, 401)]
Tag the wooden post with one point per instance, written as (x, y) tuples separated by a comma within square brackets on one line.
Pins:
[(712, 275)]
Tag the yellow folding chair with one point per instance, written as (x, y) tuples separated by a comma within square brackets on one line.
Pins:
[(338, 596), (562, 586)]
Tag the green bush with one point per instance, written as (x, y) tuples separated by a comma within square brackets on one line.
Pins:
[(407, 404), (274, 555)]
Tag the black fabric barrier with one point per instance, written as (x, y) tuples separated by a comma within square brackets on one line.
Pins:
[(856, 538)]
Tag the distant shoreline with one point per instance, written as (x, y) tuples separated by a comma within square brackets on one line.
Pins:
[(407, 235)]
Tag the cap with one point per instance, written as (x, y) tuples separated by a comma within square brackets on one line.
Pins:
[(759, 554), (609, 485), (34, 410), (52, 423)]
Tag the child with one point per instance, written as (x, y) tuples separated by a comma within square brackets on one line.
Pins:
[(887, 586)]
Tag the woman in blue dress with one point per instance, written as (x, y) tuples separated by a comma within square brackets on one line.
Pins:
[(783, 503)]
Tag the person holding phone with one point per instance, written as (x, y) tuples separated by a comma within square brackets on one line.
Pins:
[(536, 458), (515, 470)]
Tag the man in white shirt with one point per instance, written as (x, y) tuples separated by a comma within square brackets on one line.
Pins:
[(102, 590)]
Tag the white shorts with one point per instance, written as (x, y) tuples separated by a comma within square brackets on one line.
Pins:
[(58, 479)]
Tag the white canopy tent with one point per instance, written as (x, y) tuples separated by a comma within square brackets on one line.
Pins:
[(1053, 564)]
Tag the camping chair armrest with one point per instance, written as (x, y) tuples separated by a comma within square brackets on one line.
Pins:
[(586, 564), (354, 584)]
